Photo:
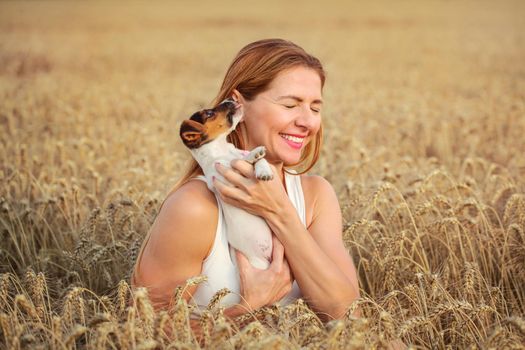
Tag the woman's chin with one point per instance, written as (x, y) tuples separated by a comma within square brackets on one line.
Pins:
[(283, 156), (291, 160), (285, 161)]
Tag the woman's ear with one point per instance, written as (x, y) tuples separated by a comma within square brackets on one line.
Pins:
[(237, 97)]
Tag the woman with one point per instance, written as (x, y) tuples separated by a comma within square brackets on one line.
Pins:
[(280, 88)]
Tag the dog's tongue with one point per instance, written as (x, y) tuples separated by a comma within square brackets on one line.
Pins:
[(228, 100), (231, 100)]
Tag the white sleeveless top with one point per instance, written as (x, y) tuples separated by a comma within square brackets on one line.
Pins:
[(219, 268)]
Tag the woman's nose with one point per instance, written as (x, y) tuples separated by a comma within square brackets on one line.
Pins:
[(307, 118)]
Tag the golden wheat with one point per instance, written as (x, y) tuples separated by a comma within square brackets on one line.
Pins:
[(424, 145)]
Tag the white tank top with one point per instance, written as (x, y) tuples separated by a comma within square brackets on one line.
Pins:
[(219, 268)]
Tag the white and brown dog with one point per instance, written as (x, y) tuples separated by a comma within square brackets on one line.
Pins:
[(205, 135)]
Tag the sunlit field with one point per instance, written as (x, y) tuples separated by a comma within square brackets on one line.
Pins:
[(424, 143)]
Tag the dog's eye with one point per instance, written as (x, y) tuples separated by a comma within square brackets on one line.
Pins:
[(209, 113)]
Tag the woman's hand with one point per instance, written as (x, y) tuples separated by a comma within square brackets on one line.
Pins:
[(264, 287), (257, 197)]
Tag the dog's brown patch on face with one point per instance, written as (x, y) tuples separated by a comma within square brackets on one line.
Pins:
[(217, 125), (205, 126)]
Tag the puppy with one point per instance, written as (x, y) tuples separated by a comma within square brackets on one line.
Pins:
[(205, 135)]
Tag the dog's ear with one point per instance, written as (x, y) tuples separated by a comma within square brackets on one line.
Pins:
[(192, 133)]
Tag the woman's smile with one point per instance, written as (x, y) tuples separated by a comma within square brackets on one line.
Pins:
[(286, 116), (293, 141)]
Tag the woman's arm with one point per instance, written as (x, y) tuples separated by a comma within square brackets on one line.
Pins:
[(321, 264), (174, 252), (181, 238), (317, 256)]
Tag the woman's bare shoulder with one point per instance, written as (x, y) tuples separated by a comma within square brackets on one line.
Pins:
[(192, 198), (179, 240), (318, 192), (190, 209), (315, 186)]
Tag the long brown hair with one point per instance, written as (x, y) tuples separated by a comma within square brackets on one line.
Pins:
[(251, 72)]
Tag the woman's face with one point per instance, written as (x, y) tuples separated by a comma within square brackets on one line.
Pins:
[(285, 117)]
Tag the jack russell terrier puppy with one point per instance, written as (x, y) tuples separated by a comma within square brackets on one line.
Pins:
[(205, 135)]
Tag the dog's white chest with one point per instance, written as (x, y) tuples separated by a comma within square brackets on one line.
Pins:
[(246, 232)]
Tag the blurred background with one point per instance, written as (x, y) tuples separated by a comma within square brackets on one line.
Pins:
[(127, 73), (398, 72), (424, 120)]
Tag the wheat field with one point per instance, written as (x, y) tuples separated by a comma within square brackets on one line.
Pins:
[(424, 143)]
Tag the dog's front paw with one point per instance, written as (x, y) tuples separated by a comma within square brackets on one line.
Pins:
[(265, 177), (263, 170), (259, 152), (255, 154)]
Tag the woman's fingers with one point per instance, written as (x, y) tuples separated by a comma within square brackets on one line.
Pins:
[(282, 265), (287, 267), (264, 287), (242, 261), (242, 265), (281, 268), (243, 167), (277, 254), (231, 175), (228, 193)]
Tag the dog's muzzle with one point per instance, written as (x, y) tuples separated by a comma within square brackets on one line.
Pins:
[(231, 103), (231, 107)]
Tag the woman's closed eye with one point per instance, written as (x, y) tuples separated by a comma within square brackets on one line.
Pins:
[(291, 106)]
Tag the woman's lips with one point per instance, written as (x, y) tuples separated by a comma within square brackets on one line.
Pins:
[(296, 142)]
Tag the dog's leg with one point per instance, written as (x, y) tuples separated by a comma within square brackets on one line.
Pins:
[(263, 171), (255, 154), (262, 168)]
